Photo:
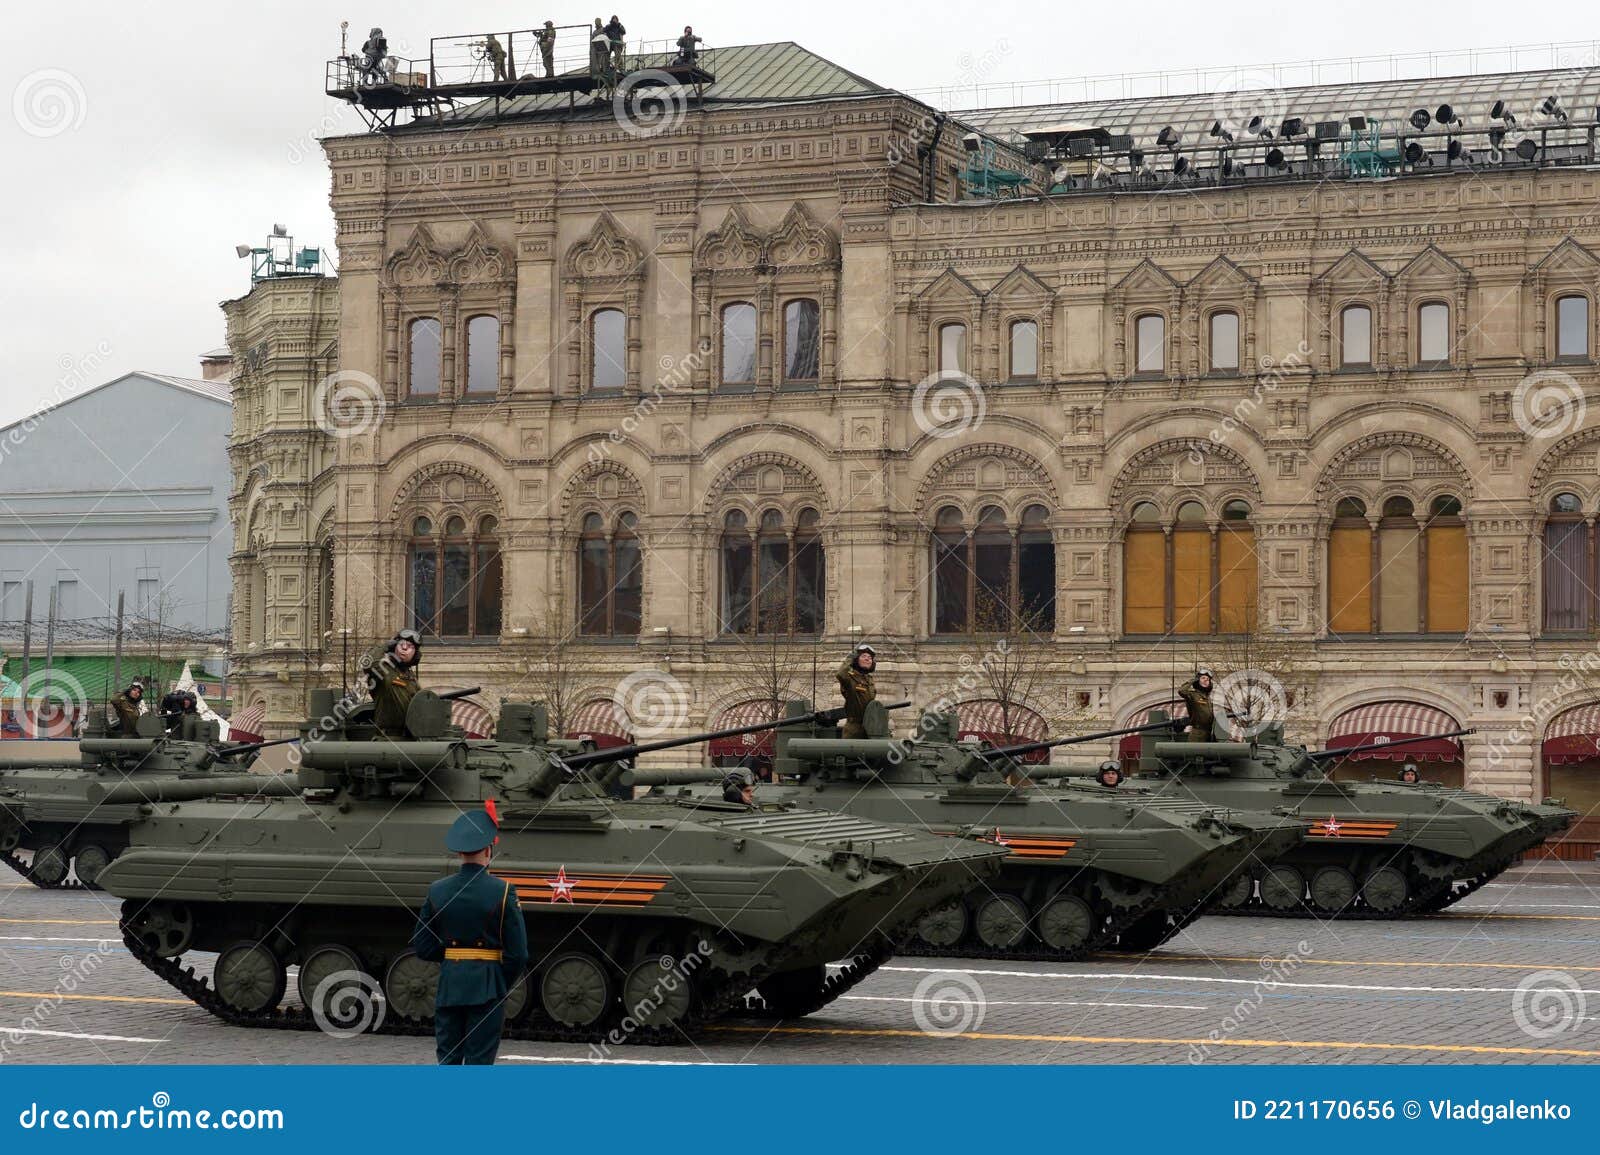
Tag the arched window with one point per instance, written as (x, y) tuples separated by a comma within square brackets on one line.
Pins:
[(425, 353), (1350, 569), (1398, 574), (1433, 333), (953, 348), (802, 342), (978, 580), (1568, 570), (608, 347), (1150, 343), (610, 577), (456, 585), (1572, 327), (1189, 579), (739, 344), (1444, 562), (1410, 577), (772, 580), (1024, 350), (1224, 342), (1355, 337), (483, 355)]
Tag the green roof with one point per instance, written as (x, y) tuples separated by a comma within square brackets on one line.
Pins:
[(745, 74), (93, 673)]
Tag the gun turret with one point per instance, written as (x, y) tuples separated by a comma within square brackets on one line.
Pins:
[(684, 777), (165, 789)]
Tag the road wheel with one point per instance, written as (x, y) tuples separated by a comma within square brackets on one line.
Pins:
[(656, 992), (164, 928), (1283, 888), (1386, 889), (89, 862), (1332, 889), (1237, 891), (250, 978), (50, 864), (1002, 921), (411, 985), (1066, 923), (575, 990), (945, 926)]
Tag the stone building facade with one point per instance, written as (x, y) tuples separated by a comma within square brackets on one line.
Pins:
[(622, 375)]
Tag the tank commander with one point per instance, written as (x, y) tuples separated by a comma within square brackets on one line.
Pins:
[(128, 705), (392, 681), (738, 789), (855, 684), (174, 705), (1197, 697), (546, 39), (471, 925)]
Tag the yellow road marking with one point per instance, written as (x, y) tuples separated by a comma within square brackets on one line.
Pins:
[(52, 995), (1345, 962), (1464, 916), (1324, 1044), (62, 921)]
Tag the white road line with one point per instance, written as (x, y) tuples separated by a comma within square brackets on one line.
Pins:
[(1030, 1003), (77, 1035), (1509, 907), (617, 1062), (53, 938), (1267, 982)]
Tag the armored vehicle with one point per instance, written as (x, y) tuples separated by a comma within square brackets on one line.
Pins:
[(617, 894), (73, 812), (1086, 868), (1379, 849)]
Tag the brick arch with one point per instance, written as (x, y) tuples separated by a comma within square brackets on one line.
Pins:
[(1391, 439), (1545, 468), (933, 480), (718, 491), (1184, 445), (629, 488), (407, 491)]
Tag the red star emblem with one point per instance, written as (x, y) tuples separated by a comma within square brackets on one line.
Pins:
[(561, 887), (1332, 827)]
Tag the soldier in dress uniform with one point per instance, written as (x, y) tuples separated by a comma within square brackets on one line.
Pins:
[(1197, 697), (128, 706), (391, 674), (471, 925), (855, 684)]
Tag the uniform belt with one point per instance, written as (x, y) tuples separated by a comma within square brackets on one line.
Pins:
[(472, 954)]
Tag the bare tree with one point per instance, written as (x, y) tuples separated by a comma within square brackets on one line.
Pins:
[(1261, 671), (544, 669)]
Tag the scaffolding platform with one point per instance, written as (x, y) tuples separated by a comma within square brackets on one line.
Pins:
[(485, 66)]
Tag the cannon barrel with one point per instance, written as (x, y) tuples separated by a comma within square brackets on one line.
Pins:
[(620, 753), (1319, 755), (1203, 749), (10, 761), (452, 695), (1056, 770), (1072, 740), (157, 788), (419, 757), (682, 777)]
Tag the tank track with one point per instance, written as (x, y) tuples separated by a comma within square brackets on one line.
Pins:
[(14, 861), (723, 1000), (1032, 952), (853, 972), (1423, 902)]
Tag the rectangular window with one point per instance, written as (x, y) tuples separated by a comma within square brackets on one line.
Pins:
[(149, 590), (1237, 567), (1397, 580), (1191, 582), (13, 594), (1150, 335), (1024, 349), (802, 338), (1224, 342), (1572, 327), (1144, 604), (1433, 334), (1355, 336), (455, 615), (483, 355), (627, 599), (608, 340), (488, 600), (1566, 576), (1447, 579), (424, 587), (592, 565), (1350, 581), (66, 599), (425, 364), (739, 344), (950, 584), (736, 566), (952, 348)]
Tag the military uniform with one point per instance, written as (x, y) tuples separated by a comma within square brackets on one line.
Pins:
[(497, 57), (392, 687), (1201, 715), (856, 686), (546, 37), (127, 711), (471, 925)]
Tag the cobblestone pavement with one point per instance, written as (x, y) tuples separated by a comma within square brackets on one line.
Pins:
[(1438, 990)]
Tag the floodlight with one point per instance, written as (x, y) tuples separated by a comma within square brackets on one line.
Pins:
[(1527, 149), (1420, 119), (1293, 126), (1218, 131), (280, 230), (1168, 138), (242, 250), (1552, 108), (1358, 124)]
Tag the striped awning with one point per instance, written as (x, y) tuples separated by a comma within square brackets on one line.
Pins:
[(475, 720), (985, 719), (601, 720), (1128, 747), (245, 726), (1379, 721), (748, 713), (1573, 736)]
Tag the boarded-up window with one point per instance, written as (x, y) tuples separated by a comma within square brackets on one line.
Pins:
[(1398, 557), (1350, 570), (1144, 554), (1191, 581), (1447, 570), (1237, 565)]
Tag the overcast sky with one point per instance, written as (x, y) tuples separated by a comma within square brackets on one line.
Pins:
[(144, 141)]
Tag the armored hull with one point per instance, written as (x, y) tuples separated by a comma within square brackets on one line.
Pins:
[(616, 894), (1375, 849)]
